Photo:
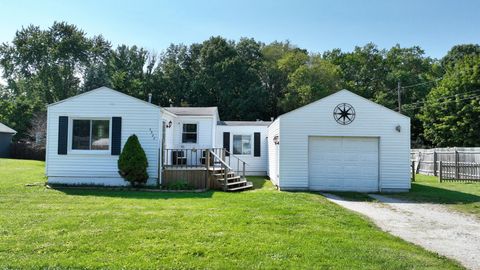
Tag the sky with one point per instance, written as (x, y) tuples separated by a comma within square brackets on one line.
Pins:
[(316, 26)]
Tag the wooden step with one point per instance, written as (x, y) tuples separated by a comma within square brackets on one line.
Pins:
[(246, 186), (216, 169), (229, 178), (237, 182), (222, 174)]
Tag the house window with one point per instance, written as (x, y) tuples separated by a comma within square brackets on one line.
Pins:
[(90, 134), (189, 134), (242, 144)]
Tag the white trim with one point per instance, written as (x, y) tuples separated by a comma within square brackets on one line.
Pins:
[(251, 144), (163, 110), (71, 151), (338, 92), (181, 133), (103, 88)]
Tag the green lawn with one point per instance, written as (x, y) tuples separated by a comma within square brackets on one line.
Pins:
[(464, 197), (263, 228)]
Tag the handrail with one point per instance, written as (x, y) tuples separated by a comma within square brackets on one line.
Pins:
[(220, 159), (235, 156)]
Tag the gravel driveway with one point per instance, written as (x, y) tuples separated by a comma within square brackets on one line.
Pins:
[(431, 226)]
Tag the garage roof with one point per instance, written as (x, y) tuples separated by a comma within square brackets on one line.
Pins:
[(5, 129)]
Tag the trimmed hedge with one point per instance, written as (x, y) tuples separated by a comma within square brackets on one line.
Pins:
[(133, 163)]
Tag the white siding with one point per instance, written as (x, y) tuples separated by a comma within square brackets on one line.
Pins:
[(204, 131), (372, 120), (169, 132), (273, 151), (254, 165), (138, 118)]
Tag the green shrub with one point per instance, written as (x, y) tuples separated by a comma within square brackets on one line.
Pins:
[(179, 185), (132, 163)]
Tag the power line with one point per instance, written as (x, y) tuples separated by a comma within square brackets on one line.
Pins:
[(470, 97), (417, 84), (425, 100)]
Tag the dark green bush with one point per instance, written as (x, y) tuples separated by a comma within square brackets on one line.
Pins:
[(132, 163), (179, 185)]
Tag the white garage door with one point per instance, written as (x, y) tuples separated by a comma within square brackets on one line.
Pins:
[(343, 163)]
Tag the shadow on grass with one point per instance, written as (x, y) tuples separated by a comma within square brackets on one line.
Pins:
[(353, 196), (258, 182), (129, 194), (429, 194)]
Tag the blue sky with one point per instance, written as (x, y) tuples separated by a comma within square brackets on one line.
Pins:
[(315, 25)]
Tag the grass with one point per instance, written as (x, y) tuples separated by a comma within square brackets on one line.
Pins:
[(262, 228), (461, 196), (354, 196)]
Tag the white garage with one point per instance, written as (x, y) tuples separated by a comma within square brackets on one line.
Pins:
[(342, 142), (343, 163)]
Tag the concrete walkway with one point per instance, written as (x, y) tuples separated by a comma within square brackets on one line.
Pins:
[(432, 226)]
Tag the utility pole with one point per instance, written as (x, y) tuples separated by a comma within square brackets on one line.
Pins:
[(399, 88)]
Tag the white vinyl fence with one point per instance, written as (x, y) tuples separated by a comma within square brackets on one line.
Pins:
[(456, 163)]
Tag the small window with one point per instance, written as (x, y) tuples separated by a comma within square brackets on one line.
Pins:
[(91, 135), (189, 134), (242, 144)]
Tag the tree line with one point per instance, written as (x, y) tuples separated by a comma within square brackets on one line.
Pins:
[(247, 79)]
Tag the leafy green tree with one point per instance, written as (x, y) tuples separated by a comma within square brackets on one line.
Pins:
[(129, 70), (274, 79), (310, 81), (451, 112), (363, 70), (374, 74), (18, 111), (458, 52), (175, 74), (133, 163), (414, 70), (47, 63)]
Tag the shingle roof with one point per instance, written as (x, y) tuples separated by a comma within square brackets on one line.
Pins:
[(199, 111), (5, 129), (244, 123)]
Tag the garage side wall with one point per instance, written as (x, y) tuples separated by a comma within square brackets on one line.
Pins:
[(372, 120), (138, 118), (273, 151)]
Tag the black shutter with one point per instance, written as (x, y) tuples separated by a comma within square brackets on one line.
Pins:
[(226, 142), (256, 144), (62, 135), (116, 135)]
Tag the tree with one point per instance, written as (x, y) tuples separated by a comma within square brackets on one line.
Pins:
[(133, 163), (458, 52), (412, 69), (310, 81), (451, 112), (46, 63), (363, 71), (17, 112), (130, 70), (274, 79), (374, 74)]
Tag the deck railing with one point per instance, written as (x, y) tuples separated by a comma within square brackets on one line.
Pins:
[(182, 158), (187, 158)]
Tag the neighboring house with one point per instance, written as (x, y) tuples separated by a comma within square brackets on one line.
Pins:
[(312, 147), (6, 135)]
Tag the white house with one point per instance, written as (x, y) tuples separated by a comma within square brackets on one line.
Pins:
[(342, 142), (85, 135)]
